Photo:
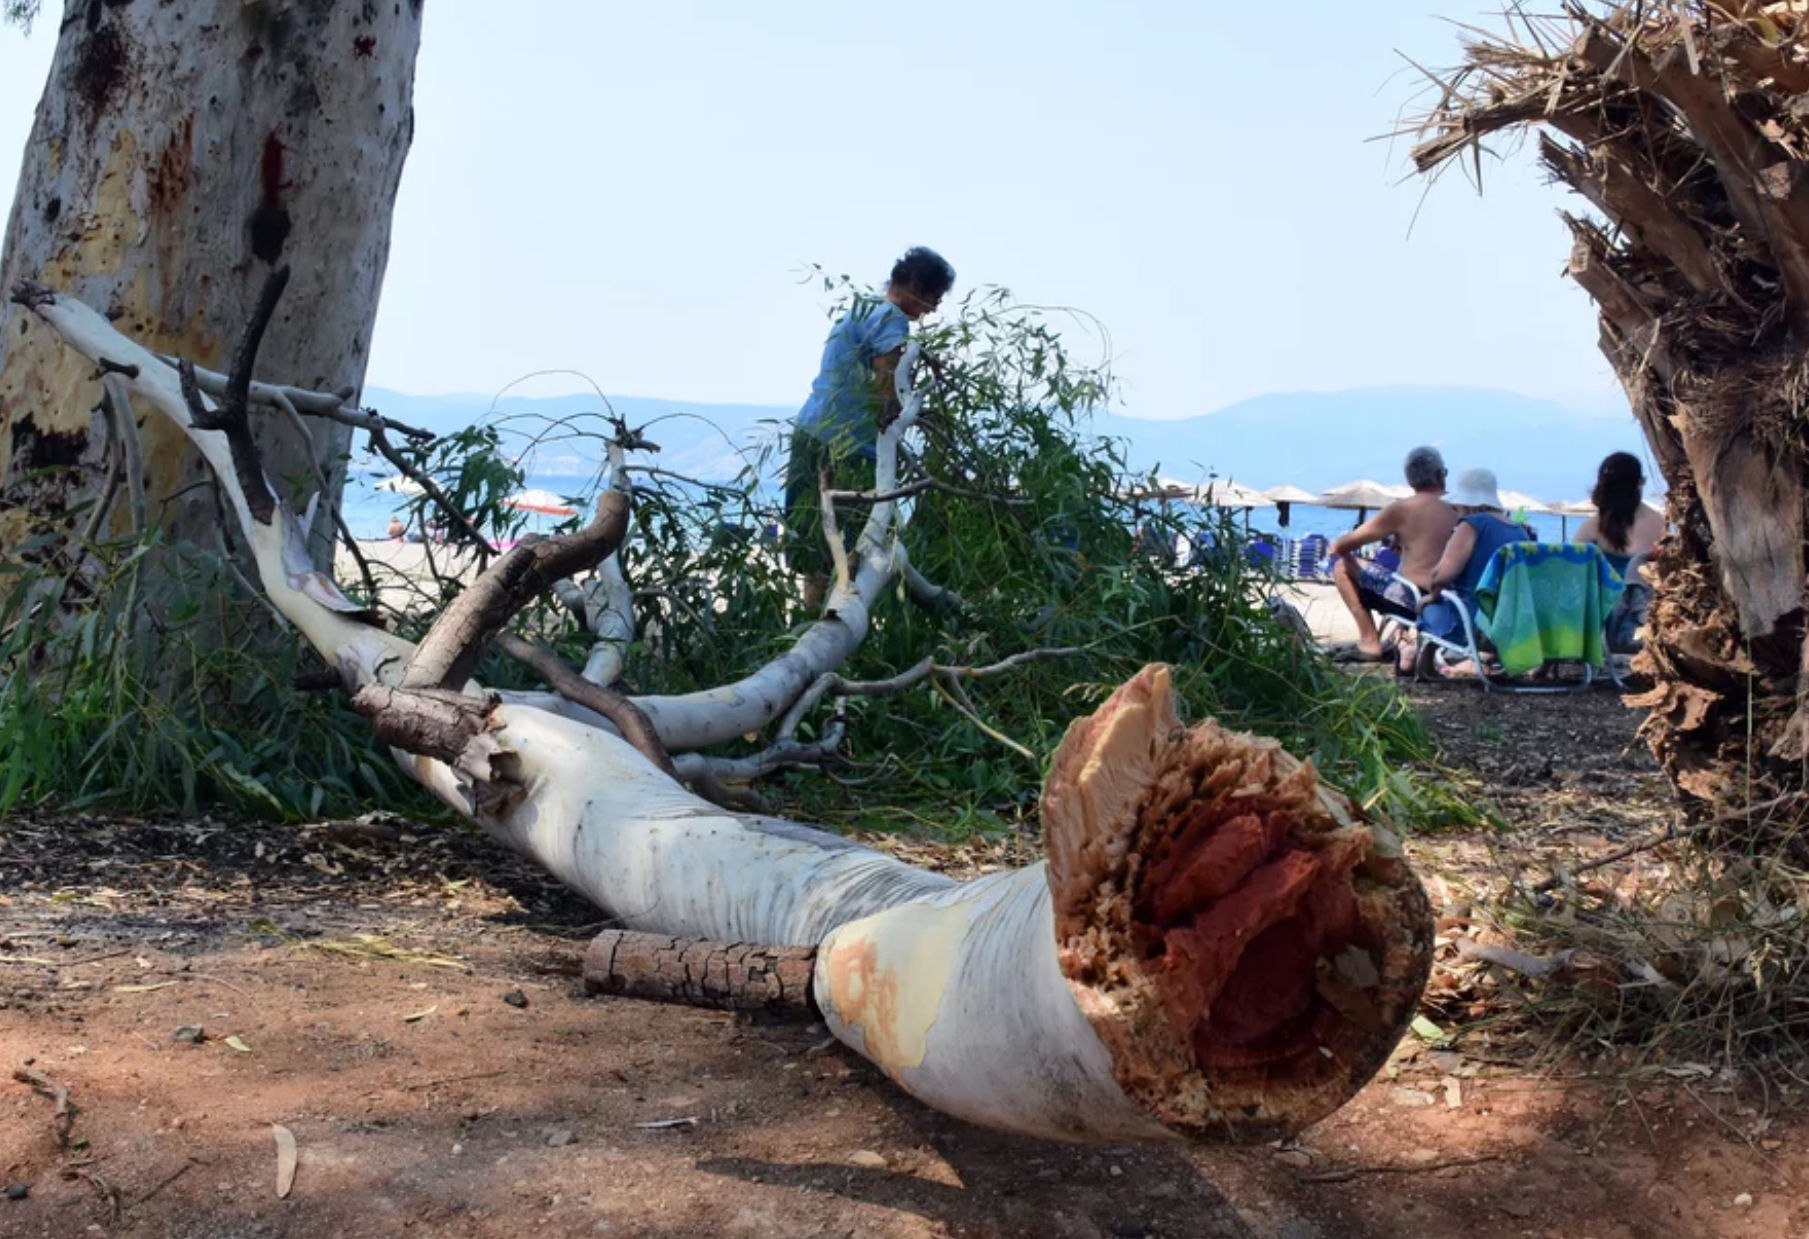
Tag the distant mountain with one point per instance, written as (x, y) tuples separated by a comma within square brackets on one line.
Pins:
[(1309, 439), (1319, 439)]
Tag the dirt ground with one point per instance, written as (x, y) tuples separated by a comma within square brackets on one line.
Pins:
[(403, 1002)]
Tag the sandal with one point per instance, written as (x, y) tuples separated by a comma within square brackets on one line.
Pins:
[(1356, 654)]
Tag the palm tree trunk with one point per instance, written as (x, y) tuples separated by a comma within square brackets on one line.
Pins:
[(1683, 131)]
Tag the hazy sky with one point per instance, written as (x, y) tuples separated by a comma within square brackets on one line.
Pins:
[(633, 190)]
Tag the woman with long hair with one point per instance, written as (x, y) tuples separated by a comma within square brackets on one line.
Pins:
[(1625, 529), (1623, 526)]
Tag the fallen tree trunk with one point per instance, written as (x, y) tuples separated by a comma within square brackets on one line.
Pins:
[(1217, 946)]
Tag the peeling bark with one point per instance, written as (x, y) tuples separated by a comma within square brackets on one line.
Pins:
[(732, 976), (179, 152)]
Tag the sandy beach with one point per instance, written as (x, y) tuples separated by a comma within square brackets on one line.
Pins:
[(405, 578)]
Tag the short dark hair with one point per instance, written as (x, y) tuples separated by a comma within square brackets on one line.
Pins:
[(1425, 468), (924, 271)]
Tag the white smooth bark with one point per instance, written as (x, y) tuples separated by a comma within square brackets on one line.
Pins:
[(718, 715), (604, 604)]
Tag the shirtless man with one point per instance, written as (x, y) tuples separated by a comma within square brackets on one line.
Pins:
[(1421, 524)]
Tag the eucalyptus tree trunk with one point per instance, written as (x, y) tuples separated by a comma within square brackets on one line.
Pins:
[(1683, 126), (179, 152)]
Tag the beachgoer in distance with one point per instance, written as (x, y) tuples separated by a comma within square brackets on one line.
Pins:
[(396, 528), (1420, 524), (1483, 529), (1623, 526), (852, 400)]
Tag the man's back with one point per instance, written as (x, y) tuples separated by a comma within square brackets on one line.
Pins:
[(1423, 522)]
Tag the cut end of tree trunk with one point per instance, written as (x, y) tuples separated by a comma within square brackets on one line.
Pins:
[(1245, 946)]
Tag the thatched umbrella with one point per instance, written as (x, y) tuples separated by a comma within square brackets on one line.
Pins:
[(1221, 493), (1285, 497), (1520, 501), (1362, 496), (1569, 508)]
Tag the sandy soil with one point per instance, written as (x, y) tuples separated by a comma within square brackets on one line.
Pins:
[(446, 1076)]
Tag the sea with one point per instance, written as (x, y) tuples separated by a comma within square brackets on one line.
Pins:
[(368, 510)]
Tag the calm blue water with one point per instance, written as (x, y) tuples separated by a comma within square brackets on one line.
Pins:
[(367, 511), (1328, 523)]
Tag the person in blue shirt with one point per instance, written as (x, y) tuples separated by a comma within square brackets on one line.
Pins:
[(852, 400), (1482, 529)]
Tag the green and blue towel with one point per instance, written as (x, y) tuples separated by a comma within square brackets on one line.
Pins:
[(1540, 602)]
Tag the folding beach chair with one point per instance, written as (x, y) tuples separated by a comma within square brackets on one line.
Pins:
[(1629, 614), (1313, 565), (1538, 605)]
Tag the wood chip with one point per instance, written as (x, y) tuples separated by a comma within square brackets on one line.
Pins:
[(237, 1044), (285, 1158)]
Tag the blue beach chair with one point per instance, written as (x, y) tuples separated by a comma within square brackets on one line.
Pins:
[(1538, 605)]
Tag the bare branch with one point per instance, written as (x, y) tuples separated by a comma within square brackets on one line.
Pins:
[(605, 604), (329, 406), (919, 487), (779, 755), (927, 594), (952, 692), (629, 719), (451, 650), (832, 533), (230, 417), (455, 516), (325, 495), (124, 424)]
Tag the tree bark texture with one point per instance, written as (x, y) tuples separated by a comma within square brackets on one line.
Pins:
[(180, 152), (1683, 125), (735, 976)]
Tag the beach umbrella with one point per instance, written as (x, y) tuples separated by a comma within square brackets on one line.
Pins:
[(1516, 501), (537, 500), (1222, 493), (401, 484), (1164, 488), (1586, 507), (1569, 508), (1285, 497), (1362, 496)]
